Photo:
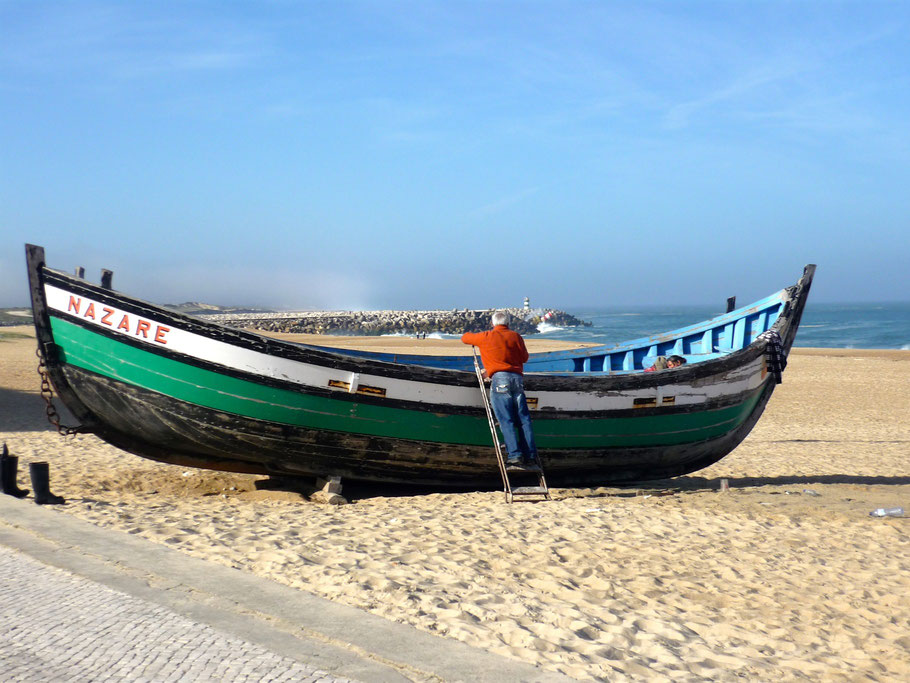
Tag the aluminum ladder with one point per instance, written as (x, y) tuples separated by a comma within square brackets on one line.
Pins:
[(512, 492)]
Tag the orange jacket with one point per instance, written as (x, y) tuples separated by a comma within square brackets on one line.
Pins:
[(501, 349)]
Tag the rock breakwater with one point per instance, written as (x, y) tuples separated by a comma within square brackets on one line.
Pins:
[(454, 322)]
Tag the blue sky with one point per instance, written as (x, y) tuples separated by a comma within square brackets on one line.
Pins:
[(434, 155)]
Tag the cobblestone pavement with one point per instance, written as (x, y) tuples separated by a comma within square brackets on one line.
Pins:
[(84, 603), (60, 627)]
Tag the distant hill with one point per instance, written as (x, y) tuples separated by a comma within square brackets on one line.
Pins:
[(15, 316), (199, 308)]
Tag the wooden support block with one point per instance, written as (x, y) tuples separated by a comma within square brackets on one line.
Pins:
[(329, 484)]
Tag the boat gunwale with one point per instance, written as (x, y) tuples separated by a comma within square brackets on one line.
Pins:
[(711, 403), (340, 361), (778, 298)]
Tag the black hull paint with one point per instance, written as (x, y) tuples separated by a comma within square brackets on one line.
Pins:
[(164, 429)]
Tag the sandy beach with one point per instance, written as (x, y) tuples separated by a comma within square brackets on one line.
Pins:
[(785, 576)]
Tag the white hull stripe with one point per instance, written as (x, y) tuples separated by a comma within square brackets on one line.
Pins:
[(152, 333)]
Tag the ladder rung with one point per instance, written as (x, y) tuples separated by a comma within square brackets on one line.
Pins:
[(530, 491)]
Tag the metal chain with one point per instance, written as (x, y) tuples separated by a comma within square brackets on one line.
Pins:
[(47, 393)]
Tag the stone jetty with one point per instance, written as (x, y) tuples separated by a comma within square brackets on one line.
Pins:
[(455, 322)]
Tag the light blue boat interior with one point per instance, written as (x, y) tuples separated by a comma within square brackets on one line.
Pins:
[(696, 343)]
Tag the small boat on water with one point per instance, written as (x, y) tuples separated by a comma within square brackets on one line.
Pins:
[(181, 390)]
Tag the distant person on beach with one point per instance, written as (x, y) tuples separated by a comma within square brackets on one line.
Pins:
[(666, 362), (504, 354)]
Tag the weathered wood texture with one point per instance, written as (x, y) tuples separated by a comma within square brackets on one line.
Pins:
[(160, 428)]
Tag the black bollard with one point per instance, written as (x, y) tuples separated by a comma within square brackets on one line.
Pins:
[(41, 482), (9, 464)]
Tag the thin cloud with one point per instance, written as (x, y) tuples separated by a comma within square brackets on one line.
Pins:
[(817, 60), (679, 115), (114, 42), (184, 62), (503, 203)]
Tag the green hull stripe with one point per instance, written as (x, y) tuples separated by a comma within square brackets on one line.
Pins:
[(108, 357)]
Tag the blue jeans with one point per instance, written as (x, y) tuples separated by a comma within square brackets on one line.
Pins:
[(507, 396)]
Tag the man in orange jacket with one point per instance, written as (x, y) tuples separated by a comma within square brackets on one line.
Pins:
[(504, 354)]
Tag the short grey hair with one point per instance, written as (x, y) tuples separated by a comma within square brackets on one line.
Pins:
[(500, 318)]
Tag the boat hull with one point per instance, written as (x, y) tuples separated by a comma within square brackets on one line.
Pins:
[(177, 390)]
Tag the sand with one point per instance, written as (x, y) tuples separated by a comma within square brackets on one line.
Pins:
[(673, 580)]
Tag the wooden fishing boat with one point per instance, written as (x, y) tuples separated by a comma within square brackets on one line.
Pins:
[(181, 390)]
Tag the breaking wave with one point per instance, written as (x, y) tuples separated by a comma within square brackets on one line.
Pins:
[(545, 328)]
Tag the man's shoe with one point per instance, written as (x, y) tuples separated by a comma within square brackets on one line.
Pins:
[(532, 464), (515, 465)]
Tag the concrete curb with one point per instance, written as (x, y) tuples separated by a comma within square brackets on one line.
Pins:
[(341, 640)]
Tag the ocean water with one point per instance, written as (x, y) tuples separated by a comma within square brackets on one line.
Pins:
[(839, 326)]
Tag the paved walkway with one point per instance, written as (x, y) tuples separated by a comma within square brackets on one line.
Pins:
[(61, 627), (83, 603)]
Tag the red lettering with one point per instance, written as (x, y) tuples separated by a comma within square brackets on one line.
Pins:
[(143, 327), (124, 323), (160, 332), (106, 318), (74, 304), (90, 311)]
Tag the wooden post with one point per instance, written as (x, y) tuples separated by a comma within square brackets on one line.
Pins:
[(107, 277), (731, 304), (80, 272)]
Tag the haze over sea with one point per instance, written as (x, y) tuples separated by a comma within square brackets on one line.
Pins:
[(824, 325)]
